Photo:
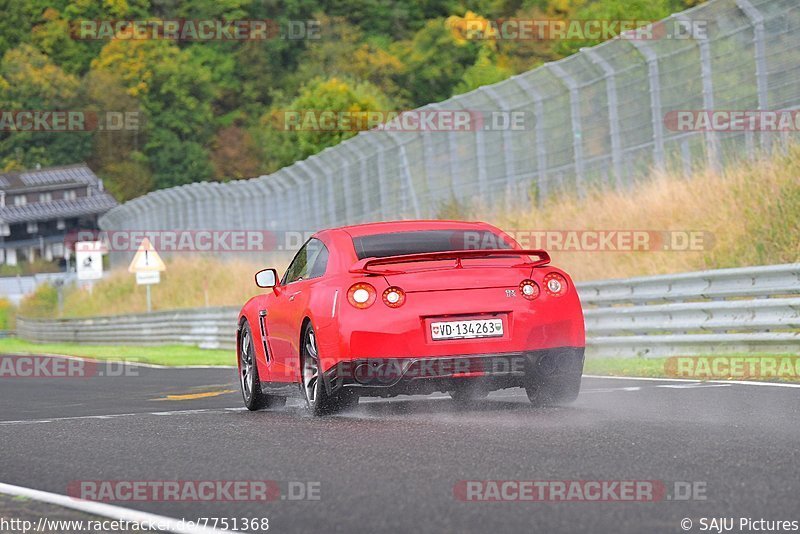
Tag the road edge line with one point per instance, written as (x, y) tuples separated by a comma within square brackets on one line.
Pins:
[(107, 510), (742, 382)]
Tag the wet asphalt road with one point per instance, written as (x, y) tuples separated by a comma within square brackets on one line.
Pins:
[(393, 465)]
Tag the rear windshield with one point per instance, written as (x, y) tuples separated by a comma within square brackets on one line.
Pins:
[(397, 243)]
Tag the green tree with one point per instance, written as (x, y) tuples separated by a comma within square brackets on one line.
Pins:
[(485, 71), (176, 93), (644, 10), (283, 147), (435, 62), (30, 81)]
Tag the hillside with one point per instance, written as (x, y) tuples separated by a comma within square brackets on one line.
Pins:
[(202, 109)]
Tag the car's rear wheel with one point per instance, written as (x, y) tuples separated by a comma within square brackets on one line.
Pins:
[(317, 398), (249, 381), (553, 390)]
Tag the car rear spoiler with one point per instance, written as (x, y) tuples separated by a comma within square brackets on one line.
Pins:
[(366, 265)]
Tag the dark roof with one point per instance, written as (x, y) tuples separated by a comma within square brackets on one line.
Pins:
[(45, 211), (51, 177), (97, 202)]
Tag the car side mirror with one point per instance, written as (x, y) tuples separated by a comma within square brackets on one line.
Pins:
[(267, 278)]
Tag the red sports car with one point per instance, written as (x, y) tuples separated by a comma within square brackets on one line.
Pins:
[(408, 307)]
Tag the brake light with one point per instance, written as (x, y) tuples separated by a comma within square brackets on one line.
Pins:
[(361, 295), (529, 289), (555, 284), (394, 297)]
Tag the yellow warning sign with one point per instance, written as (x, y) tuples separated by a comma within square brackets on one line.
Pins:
[(146, 259)]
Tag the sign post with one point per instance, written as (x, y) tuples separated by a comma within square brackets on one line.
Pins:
[(148, 266), (89, 260), (88, 263)]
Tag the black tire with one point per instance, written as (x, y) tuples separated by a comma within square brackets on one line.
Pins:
[(554, 390), (249, 381), (318, 400)]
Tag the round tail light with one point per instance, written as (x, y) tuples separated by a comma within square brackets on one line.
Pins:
[(555, 284), (394, 297), (529, 289), (361, 295)]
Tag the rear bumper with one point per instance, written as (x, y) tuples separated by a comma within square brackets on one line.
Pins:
[(387, 377)]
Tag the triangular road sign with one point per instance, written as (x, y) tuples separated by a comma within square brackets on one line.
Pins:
[(146, 259)]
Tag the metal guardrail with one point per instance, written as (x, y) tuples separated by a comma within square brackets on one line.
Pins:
[(204, 327), (15, 288), (754, 309)]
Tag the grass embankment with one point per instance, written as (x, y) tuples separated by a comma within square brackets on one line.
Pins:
[(189, 282), (754, 367), (178, 355), (171, 355), (752, 211)]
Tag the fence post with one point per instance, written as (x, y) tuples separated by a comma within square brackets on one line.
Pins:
[(305, 216), (575, 115), (452, 151), (657, 117), (313, 194), (541, 149), (330, 201), (430, 172), (508, 147), (281, 213), (265, 200), (757, 20), (369, 136), (406, 171), (362, 176), (613, 113), (345, 174), (712, 147)]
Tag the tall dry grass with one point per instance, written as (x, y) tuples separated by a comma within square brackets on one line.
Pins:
[(752, 213), (189, 282)]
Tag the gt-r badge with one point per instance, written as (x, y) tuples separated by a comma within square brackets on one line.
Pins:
[(511, 293)]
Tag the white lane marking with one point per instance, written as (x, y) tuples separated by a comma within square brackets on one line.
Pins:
[(693, 386), (159, 522), (730, 382), (112, 416), (611, 390)]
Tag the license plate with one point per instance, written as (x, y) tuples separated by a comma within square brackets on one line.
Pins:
[(469, 329)]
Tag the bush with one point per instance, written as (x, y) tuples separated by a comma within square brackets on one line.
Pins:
[(42, 303), (7, 315)]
